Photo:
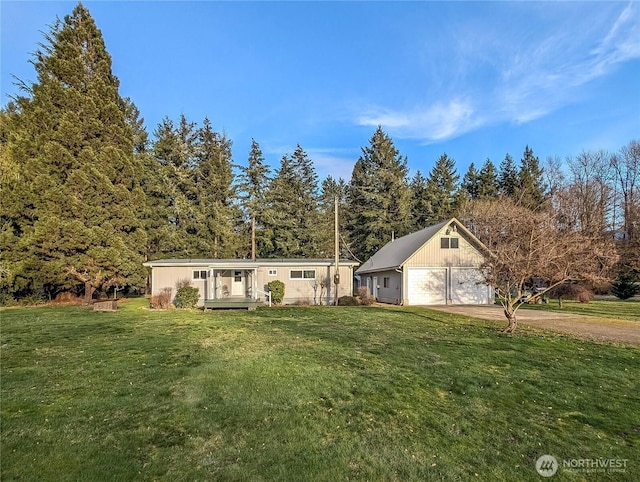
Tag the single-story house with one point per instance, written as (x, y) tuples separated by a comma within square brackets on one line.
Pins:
[(438, 265), (223, 282)]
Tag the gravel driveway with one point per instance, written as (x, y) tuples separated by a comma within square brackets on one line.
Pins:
[(590, 327)]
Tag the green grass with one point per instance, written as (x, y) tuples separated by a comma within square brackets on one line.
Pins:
[(305, 393), (621, 310)]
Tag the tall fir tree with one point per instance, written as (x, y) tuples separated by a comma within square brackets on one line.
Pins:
[(79, 177), (508, 177), (471, 182), (487, 180), (174, 147), (442, 190), (420, 202), (531, 189), (279, 217), (379, 197), (291, 216), (253, 185), (218, 215)]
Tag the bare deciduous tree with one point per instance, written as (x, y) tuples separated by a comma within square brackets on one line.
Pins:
[(524, 245)]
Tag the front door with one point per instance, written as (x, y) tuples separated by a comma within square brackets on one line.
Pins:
[(374, 293), (237, 284)]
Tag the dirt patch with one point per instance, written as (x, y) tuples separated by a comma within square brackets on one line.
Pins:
[(589, 327)]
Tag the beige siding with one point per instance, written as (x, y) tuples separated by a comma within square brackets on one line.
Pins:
[(432, 255), (168, 276), (392, 293), (303, 290)]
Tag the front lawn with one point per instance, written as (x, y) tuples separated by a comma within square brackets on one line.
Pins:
[(305, 393)]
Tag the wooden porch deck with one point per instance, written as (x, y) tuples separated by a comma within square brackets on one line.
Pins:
[(232, 304)]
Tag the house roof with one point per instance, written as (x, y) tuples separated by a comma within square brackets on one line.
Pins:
[(395, 253), (247, 263)]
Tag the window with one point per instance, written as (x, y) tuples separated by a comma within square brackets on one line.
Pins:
[(237, 276), (200, 274), (446, 243), (273, 272), (385, 282), (302, 274)]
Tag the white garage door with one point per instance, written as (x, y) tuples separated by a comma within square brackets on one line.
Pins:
[(427, 286), (468, 287)]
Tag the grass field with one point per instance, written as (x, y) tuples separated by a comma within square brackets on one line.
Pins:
[(622, 310), (305, 393)]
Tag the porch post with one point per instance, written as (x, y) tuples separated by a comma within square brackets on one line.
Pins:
[(254, 284)]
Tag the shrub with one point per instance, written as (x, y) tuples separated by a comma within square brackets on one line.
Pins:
[(162, 301), (183, 283), (187, 297), (584, 295), (364, 298), (347, 301), (571, 291), (276, 287), (67, 298), (303, 302)]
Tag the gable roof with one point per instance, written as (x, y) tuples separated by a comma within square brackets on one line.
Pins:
[(395, 253)]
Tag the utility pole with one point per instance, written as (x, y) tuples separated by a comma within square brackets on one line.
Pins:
[(336, 276)]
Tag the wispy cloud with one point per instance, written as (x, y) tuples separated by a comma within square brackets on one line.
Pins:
[(524, 77), (436, 122)]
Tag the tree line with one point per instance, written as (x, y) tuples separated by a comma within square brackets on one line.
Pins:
[(88, 195)]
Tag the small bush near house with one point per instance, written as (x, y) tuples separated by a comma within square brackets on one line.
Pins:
[(276, 287), (364, 298), (347, 301), (162, 301), (187, 297), (303, 302)]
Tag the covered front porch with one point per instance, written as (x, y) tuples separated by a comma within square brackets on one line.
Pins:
[(234, 288)]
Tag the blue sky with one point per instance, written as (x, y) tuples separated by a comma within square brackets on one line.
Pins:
[(471, 79)]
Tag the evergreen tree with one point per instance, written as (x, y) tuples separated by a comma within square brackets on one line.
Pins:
[(79, 177), (306, 208), (291, 220), (254, 181), (217, 215), (487, 181), (174, 148), (471, 182), (531, 189), (420, 203), (279, 217), (379, 198), (442, 190), (508, 177)]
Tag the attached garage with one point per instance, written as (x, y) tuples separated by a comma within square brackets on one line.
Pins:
[(435, 266)]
